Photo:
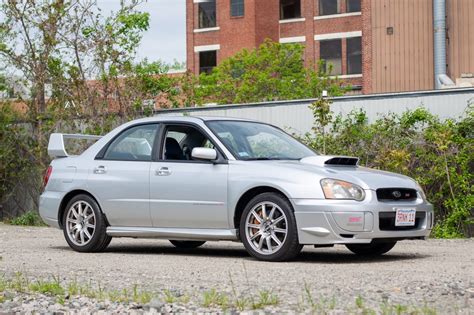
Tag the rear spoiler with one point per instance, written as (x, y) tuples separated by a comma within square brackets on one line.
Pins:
[(56, 147)]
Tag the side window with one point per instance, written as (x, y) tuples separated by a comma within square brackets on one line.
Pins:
[(180, 140), (134, 144)]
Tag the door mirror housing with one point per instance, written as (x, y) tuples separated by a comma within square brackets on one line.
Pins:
[(204, 154)]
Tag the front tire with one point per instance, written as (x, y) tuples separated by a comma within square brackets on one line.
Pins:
[(84, 225), (187, 244), (268, 228), (372, 249)]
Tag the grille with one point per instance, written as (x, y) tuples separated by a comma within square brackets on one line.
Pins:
[(387, 221), (396, 194)]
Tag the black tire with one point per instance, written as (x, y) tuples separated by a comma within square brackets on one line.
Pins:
[(372, 249), (187, 244), (290, 247), (99, 240)]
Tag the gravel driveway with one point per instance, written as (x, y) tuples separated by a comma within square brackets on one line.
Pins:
[(423, 275)]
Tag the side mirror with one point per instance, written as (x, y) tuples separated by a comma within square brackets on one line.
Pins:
[(205, 154)]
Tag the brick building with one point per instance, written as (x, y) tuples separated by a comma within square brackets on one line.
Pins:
[(376, 45)]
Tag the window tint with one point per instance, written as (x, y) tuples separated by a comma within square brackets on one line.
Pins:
[(353, 5), (290, 9), (207, 61), (331, 53), (180, 140), (134, 144), (328, 7), (237, 8), (207, 14), (354, 55)]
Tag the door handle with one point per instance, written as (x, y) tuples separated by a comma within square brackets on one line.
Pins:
[(164, 171), (100, 170)]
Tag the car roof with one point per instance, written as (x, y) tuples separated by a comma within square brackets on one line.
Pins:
[(195, 119)]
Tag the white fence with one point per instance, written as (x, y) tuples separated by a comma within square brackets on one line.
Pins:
[(297, 117)]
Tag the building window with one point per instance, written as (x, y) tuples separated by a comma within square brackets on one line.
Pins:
[(290, 9), (328, 7), (354, 55), (207, 61), (237, 8), (207, 14), (353, 5), (330, 51)]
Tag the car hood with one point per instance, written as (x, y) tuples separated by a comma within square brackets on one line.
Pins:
[(365, 177)]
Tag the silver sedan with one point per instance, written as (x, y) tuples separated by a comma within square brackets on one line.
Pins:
[(197, 179)]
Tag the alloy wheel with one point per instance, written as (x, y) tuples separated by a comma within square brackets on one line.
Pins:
[(266, 228), (80, 223)]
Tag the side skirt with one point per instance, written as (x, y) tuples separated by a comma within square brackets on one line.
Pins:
[(174, 233)]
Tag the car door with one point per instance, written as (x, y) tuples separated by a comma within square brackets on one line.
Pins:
[(120, 178), (185, 193)]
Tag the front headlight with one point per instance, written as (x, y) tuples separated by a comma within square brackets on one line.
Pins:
[(421, 191), (339, 189)]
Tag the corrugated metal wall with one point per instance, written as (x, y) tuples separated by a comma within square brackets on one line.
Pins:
[(296, 117), (402, 61), (460, 48)]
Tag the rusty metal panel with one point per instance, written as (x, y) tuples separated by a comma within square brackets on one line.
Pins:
[(402, 45), (460, 24)]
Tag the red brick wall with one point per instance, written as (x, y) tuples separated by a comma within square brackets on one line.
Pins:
[(267, 14), (261, 21)]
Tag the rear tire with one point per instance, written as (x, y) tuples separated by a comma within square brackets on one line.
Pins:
[(187, 244), (268, 228), (372, 249), (84, 225)]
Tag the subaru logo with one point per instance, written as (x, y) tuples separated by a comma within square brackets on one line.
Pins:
[(396, 194)]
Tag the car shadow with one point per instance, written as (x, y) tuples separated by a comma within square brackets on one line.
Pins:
[(308, 255)]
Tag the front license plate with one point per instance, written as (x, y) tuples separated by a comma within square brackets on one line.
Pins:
[(405, 217)]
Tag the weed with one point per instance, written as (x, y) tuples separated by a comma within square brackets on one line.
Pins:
[(30, 218), (214, 298), (47, 287), (265, 298), (359, 302), (169, 296)]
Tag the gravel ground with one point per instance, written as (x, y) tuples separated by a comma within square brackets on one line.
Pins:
[(426, 276)]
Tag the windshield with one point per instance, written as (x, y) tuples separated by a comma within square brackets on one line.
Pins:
[(256, 141)]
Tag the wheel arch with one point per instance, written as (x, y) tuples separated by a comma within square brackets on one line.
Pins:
[(68, 197), (248, 195)]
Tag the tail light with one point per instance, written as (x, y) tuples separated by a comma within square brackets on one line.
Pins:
[(47, 175)]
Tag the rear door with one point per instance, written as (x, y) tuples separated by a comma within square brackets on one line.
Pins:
[(120, 176)]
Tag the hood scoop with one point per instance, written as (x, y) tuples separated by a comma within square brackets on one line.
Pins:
[(330, 160)]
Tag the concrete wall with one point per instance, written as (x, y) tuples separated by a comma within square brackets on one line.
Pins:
[(296, 117)]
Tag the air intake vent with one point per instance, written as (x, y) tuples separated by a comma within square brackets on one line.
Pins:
[(342, 161), (396, 194)]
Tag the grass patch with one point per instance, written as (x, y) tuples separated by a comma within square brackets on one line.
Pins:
[(265, 298), (53, 287), (214, 298), (30, 218)]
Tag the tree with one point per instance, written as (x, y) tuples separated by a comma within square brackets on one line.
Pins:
[(271, 72), (74, 63)]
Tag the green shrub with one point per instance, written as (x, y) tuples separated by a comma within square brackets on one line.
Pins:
[(30, 218), (438, 154)]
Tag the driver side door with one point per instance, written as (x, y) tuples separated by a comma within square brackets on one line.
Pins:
[(187, 193)]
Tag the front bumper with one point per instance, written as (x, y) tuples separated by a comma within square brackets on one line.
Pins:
[(323, 222)]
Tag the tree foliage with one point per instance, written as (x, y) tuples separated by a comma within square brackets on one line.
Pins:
[(271, 72), (438, 154)]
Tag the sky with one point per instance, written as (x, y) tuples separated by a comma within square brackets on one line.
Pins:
[(166, 36)]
